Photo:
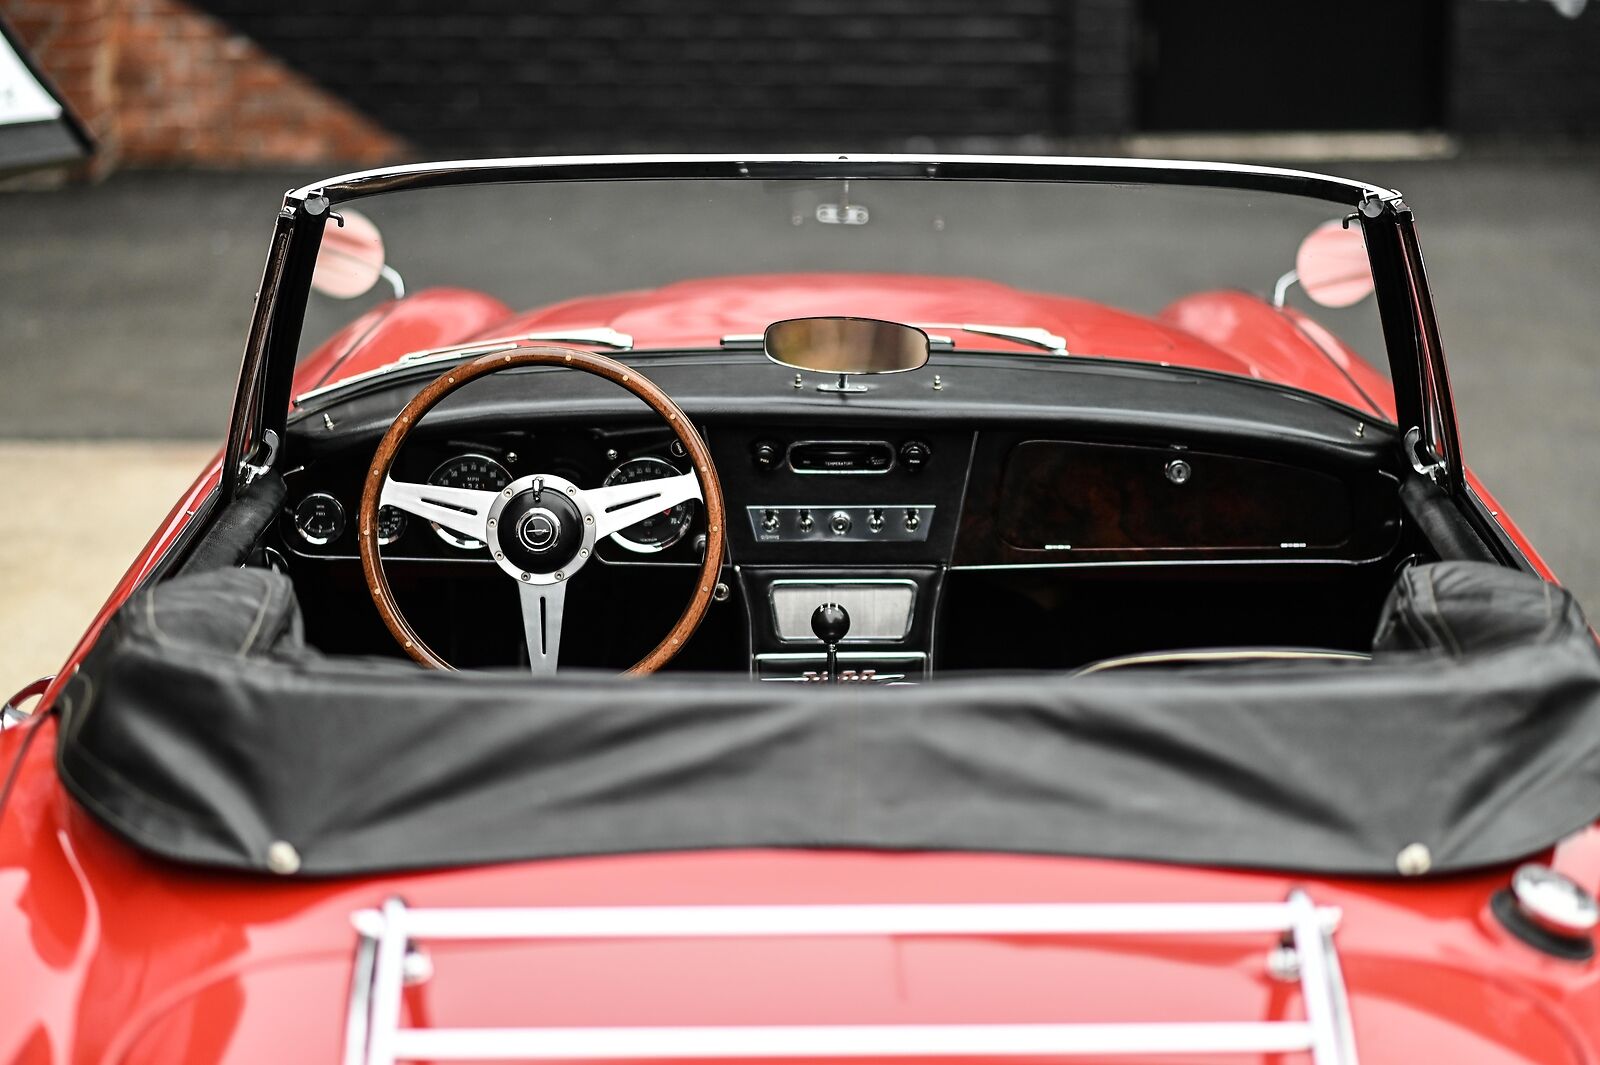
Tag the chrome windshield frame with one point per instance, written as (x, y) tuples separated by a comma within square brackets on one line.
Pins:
[(1096, 170), (263, 397)]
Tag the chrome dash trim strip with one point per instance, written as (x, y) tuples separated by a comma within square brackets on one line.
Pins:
[(601, 336)]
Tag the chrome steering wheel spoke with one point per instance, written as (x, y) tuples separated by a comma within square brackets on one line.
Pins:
[(542, 607), (622, 505), (461, 510)]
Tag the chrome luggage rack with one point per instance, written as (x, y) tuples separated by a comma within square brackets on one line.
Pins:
[(389, 953)]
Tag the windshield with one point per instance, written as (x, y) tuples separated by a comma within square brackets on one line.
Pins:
[(1185, 276)]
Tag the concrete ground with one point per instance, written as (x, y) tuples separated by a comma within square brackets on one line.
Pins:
[(55, 572), (123, 310)]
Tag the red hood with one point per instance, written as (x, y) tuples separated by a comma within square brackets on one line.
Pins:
[(1228, 332), (699, 313)]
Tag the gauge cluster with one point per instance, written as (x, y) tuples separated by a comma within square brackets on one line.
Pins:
[(478, 472), (659, 531), (319, 517)]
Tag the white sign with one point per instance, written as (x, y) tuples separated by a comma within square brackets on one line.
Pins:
[(22, 98)]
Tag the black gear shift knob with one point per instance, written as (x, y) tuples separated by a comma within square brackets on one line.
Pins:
[(831, 623)]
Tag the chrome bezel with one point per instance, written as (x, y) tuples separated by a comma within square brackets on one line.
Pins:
[(449, 536), (516, 488), (634, 545), (1554, 901), (788, 459), (318, 541)]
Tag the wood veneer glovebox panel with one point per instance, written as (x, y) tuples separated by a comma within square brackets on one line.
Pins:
[(1057, 496)]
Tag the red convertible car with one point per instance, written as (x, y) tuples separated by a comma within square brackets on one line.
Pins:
[(1054, 617)]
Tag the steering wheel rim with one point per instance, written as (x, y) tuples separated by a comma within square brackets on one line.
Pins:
[(596, 508)]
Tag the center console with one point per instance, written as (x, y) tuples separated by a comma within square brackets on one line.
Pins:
[(863, 520)]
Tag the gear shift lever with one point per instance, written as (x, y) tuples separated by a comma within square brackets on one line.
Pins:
[(831, 623)]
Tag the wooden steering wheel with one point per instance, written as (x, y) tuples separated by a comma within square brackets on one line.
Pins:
[(541, 528)]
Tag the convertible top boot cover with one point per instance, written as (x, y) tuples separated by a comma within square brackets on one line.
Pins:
[(1460, 608), (201, 728)]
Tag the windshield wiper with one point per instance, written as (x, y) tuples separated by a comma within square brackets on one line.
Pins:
[(1031, 335), (1022, 334), (600, 336)]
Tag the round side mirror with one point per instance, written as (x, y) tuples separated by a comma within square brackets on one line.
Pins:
[(350, 260), (1333, 265)]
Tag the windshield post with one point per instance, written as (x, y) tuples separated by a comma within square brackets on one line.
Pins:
[(1396, 311), (261, 399)]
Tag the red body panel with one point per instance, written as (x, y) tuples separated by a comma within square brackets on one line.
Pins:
[(117, 957), (430, 319), (1230, 332), (113, 956), (1284, 346)]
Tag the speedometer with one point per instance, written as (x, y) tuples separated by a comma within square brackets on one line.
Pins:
[(477, 472), (660, 530)]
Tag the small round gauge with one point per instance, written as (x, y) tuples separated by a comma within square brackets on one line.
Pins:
[(661, 530), (319, 519), (478, 472), (391, 525)]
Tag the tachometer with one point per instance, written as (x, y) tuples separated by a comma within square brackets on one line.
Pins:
[(319, 519), (661, 530), (478, 472)]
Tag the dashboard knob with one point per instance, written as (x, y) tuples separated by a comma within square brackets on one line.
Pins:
[(913, 520), (840, 523), (769, 521), (914, 455), (875, 520), (766, 455), (805, 522)]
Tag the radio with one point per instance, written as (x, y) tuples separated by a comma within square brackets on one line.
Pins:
[(841, 456)]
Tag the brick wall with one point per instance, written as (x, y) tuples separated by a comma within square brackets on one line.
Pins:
[(247, 81), (75, 43), (1100, 68), (158, 82), (509, 76)]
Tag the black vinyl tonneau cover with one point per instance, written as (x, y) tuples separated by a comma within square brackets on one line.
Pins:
[(201, 728)]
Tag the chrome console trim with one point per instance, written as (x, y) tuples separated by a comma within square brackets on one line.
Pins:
[(898, 522), (861, 629), (914, 664)]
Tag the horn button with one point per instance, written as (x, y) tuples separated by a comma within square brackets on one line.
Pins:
[(540, 530)]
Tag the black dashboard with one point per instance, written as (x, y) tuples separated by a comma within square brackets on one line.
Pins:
[(323, 497), (966, 531)]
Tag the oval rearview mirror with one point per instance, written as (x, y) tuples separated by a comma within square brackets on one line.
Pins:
[(1333, 267), (350, 260), (846, 345)]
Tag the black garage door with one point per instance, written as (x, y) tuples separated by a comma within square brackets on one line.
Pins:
[(1278, 65)]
